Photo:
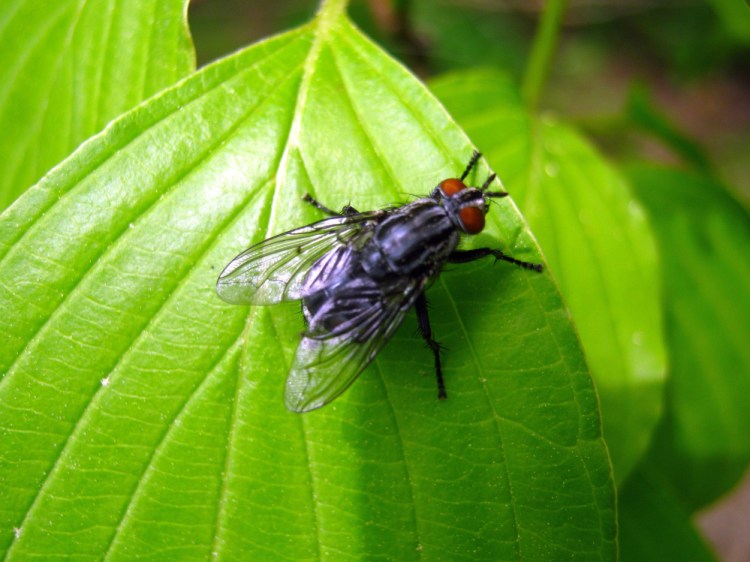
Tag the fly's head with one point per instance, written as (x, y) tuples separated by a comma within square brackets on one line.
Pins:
[(466, 206)]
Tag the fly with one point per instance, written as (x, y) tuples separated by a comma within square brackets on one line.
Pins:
[(357, 275)]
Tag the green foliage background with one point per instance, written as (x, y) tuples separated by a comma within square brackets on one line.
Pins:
[(142, 417)]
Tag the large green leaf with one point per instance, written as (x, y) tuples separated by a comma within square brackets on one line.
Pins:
[(68, 67), (704, 235), (142, 416), (595, 239)]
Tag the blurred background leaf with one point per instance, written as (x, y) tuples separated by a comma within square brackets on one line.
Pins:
[(654, 525), (702, 233)]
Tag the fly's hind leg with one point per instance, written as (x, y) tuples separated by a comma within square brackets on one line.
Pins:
[(465, 256), (348, 209), (423, 320)]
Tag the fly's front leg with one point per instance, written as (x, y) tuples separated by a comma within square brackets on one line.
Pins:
[(465, 256), (423, 320), (348, 209)]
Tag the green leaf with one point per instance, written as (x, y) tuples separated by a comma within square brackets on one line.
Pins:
[(458, 37), (642, 113), (696, 480), (703, 235), (595, 239), (735, 17), (142, 416), (653, 524), (68, 67)]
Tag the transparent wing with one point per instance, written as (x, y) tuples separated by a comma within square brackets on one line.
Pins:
[(329, 358), (274, 270)]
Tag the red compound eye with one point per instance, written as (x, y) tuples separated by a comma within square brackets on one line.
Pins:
[(452, 186), (472, 218)]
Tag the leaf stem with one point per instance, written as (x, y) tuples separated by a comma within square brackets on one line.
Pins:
[(330, 10), (542, 51)]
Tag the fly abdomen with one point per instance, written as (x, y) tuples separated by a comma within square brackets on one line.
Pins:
[(412, 241), (341, 307)]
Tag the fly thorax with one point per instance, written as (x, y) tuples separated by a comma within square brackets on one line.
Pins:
[(415, 239)]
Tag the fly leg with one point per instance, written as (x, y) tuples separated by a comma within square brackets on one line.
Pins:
[(465, 256), (348, 209), (423, 320)]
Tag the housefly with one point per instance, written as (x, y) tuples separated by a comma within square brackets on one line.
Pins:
[(357, 275)]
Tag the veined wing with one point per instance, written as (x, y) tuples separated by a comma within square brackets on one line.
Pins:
[(336, 350), (274, 270)]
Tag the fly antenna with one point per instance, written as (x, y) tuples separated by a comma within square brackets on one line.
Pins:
[(473, 160)]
